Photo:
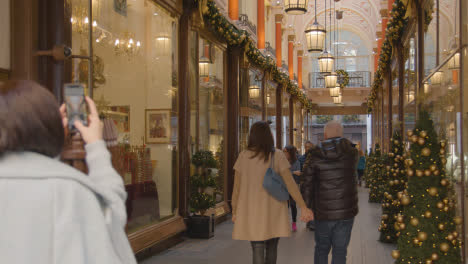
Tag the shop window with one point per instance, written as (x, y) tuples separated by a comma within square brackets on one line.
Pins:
[(298, 126), (270, 105), (251, 102), (409, 94), (285, 129), (135, 86)]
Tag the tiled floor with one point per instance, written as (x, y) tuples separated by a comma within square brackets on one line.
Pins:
[(298, 249)]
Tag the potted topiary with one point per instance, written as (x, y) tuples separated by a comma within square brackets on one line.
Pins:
[(203, 190)]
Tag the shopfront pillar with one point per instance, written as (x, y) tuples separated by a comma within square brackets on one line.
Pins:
[(279, 116), (300, 53), (291, 39), (278, 39), (233, 9), (291, 121), (261, 24)]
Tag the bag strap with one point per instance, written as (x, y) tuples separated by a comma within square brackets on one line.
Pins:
[(272, 162)]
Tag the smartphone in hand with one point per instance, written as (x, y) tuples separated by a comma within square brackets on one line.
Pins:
[(76, 104)]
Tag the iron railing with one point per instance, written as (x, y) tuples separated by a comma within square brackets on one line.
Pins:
[(356, 79), (247, 24)]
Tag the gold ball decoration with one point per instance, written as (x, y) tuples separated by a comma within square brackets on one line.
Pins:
[(433, 167), (427, 173), (442, 151), (442, 144), (405, 200), (400, 219), (432, 191), (410, 162), (384, 217), (388, 237), (395, 254), (399, 195), (428, 261), (446, 201), (428, 214), (409, 133), (441, 226), (391, 154), (396, 181), (440, 205), (450, 237), (455, 233), (422, 236), (416, 241), (414, 222), (421, 141), (426, 152), (410, 173), (391, 183), (458, 220), (444, 182), (423, 134), (444, 161), (436, 172), (444, 247), (419, 173), (402, 226), (434, 256), (414, 138)]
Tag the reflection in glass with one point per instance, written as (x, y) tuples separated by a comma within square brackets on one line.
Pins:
[(251, 102)]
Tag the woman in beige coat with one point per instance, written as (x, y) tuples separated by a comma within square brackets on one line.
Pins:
[(258, 217)]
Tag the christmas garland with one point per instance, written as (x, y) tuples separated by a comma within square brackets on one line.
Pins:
[(225, 30), (395, 28), (343, 78)]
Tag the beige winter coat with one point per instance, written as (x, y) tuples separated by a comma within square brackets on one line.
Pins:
[(259, 216)]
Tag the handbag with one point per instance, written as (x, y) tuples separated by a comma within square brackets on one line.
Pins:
[(274, 184)]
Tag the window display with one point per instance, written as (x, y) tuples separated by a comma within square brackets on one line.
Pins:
[(251, 103), (135, 86), (409, 100), (270, 105), (285, 129)]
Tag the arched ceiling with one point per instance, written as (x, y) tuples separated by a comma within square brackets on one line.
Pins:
[(359, 16)]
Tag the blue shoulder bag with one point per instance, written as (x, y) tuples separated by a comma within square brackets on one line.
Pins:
[(274, 184)]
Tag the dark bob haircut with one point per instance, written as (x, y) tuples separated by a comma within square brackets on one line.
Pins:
[(261, 140), (30, 119)]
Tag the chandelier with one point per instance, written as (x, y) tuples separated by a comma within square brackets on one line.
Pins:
[(295, 7), (315, 35), (80, 20), (254, 91), (331, 80), (337, 99), (127, 45), (326, 60), (204, 67), (335, 92), (163, 45)]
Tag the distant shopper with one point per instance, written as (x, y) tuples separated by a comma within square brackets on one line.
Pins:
[(361, 166), (51, 212), (302, 158), (258, 217), (291, 154), (329, 188)]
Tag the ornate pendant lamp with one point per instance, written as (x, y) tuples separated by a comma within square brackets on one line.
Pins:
[(204, 66), (337, 100), (295, 7), (315, 35), (326, 60), (331, 80), (335, 92), (254, 91)]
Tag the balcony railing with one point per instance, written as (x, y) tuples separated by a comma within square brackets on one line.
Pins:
[(270, 50), (356, 79), (246, 24)]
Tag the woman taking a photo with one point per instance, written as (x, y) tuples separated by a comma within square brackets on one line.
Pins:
[(258, 217), (291, 154)]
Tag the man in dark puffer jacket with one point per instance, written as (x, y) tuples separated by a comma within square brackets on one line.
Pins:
[(329, 188)]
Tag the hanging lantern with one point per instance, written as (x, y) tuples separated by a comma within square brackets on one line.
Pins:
[(295, 7), (254, 91), (454, 62), (268, 99), (337, 100), (204, 67), (335, 92), (437, 77), (427, 88), (326, 61), (331, 80), (315, 37)]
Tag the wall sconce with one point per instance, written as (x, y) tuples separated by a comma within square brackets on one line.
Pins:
[(204, 67)]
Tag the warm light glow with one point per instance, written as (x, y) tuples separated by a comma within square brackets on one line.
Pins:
[(86, 20), (254, 91), (326, 62), (295, 7), (94, 23), (335, 92), (437, 78), (204, 67), (138, 43), (117, 42), (410, 96), (315, 37), (337, 100), (72, 20), (330, 80), (454, 62), (427, 88), (268, 99)]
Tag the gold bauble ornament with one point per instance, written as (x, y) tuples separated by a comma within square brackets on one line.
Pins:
[(446, 209), (442, 144), (388, 237), (416, 241), (427, 173), (422, 236), (458, 220), (395, 165), (414, 222), (419, 173), (450, 237), (409, 133), (391, 154), (391, 183), (441, 226), (402, 226), (395, 254), (396, 142), (444, 182), (428, 261), (410, 173), (388, 167), (410, 162), (455, 233), (384, 217), (428, 214), (442, 151), (405, 200), (423, 134), (433, 167), (446, 201), (444, 247), (396, 181), (434, 256), (399, 195), (440, 205), (400, 219), (414, 138), (444, 161), (421, 141), (426, 152), (436, 172), (432, 191)]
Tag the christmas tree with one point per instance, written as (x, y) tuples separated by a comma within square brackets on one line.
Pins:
[(377, 177), (396, 179), (369, 162), (428, 224)]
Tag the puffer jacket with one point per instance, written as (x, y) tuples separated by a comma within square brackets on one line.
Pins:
[(329, 180)]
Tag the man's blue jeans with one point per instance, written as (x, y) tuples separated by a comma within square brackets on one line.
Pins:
[(334, 235)]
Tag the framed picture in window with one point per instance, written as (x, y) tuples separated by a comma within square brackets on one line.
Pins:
[(157, 126)]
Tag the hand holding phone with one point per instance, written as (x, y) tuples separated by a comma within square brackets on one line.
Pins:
[(76, 104), (92, 132)]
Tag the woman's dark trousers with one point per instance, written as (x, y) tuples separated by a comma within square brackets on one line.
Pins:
[(265, 252)]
